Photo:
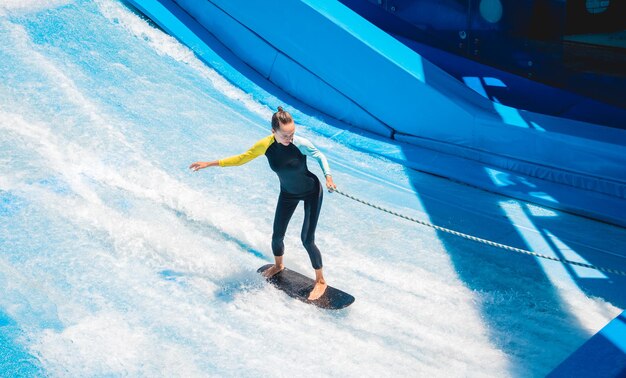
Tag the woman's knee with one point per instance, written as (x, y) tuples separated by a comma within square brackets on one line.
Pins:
[(308, 242)]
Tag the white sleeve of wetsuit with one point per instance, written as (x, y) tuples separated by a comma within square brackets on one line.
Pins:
[(307, 148)]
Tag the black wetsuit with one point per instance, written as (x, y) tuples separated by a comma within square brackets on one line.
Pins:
[(297, 184)]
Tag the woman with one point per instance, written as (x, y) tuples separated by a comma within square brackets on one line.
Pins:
[(286, 155)]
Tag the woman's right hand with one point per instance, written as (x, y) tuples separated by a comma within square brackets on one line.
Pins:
[(201, 165)]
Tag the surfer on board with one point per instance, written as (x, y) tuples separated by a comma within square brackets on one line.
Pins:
[(286, 154)]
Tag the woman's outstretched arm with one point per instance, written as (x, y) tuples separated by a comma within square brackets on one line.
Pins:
[(258, 149)]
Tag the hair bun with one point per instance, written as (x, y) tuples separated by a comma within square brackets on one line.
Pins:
[(280, 109)]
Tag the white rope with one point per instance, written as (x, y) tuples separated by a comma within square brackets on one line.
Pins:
[(484, 241)]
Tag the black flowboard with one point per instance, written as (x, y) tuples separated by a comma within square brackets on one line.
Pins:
[(299, 286)]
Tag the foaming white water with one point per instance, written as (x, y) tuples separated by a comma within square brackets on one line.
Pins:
[(137, 266), (30, 6), (167, 45), (77, 166), (123, 349)]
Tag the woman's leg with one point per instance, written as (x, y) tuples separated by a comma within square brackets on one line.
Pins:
[(284, 210), (312, 208)]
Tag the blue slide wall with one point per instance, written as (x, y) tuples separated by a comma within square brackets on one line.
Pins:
[(277, 67), (335, 61)]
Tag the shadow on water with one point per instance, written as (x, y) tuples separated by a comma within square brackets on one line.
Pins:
[(520, 302), (607, 286), (239, 283), (230, 287), (244, 281), (210, 231)]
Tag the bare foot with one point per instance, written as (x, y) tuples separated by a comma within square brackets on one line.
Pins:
[(273, 270), (318, 290)]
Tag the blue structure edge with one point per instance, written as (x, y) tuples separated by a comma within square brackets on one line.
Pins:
[(602, 356)]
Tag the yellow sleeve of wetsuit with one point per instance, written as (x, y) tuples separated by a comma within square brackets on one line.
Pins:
[(257, 150)]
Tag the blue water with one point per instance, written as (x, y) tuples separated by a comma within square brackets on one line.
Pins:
[(115, 259)]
